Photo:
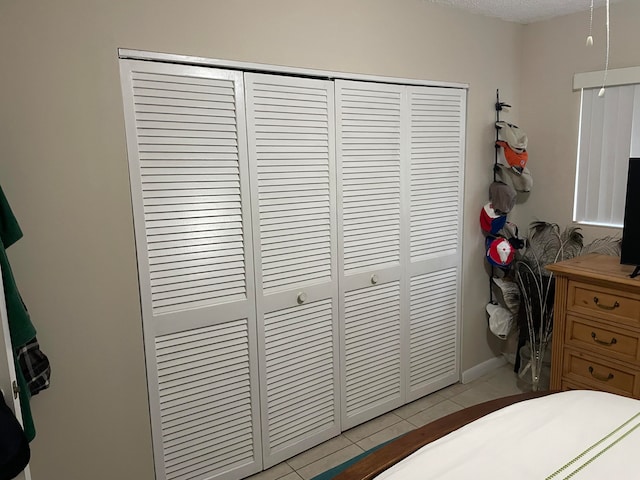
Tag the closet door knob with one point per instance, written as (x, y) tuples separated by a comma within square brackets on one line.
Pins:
[(374, 279), (302, 297)]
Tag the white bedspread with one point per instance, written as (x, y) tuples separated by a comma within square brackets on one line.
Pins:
[(534, 439)]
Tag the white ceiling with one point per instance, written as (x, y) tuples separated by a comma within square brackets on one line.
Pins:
[(523, 11)]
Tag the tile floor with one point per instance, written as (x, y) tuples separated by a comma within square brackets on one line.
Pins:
[(498, 383)]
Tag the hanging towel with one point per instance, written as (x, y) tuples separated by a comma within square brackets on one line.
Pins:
[(21, 329)]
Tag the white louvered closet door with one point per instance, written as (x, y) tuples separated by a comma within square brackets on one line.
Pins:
[(437, 132), (290, 125), (189, 181), (370, 126)]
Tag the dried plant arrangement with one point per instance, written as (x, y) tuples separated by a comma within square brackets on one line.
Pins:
[(546, 244)]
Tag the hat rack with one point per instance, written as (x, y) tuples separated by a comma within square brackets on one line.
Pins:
[(515, 169), (499, 106)]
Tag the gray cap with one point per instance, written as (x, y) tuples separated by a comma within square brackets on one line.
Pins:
[(521, 181), (502, 196)]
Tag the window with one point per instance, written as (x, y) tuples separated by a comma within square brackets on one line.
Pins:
[(609, 134)]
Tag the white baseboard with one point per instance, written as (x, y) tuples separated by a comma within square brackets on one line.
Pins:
[(482, 369)]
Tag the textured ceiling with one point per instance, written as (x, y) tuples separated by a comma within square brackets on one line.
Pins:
[(523, 11)]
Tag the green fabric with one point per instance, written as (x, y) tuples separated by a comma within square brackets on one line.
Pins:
[(20, 326)]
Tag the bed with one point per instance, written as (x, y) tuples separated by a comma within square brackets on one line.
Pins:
[(575, 434)]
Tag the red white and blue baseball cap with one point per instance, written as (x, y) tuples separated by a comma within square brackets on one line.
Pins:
[(491, 221), (499, 252)]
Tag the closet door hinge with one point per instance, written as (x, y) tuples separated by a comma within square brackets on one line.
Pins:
[(16, 389)]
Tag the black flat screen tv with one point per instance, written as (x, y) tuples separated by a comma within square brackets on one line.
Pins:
[(630, 248)]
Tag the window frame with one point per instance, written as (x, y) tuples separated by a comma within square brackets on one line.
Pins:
[(590, 81)]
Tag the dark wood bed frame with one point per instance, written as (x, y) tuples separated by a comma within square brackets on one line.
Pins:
[(385, 457)]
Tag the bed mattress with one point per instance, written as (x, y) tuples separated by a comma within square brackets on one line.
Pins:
[(576, 434)]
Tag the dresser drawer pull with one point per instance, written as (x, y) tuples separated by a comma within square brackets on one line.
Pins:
[(605, 307), (600, 377), (602, 342)]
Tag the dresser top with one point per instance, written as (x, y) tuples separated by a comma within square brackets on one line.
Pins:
[(598, 267)]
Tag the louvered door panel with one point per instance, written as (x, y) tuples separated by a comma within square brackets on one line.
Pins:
[(188, 162), (190, 181), (372, 352), (433, 355), (437, 143), (205, 400), (436, 161), (300, 373), (291, 150), (371, 119), (369, 126)]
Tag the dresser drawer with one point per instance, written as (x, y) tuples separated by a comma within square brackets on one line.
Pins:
[(599, 374), (603, 303), (608, 340)]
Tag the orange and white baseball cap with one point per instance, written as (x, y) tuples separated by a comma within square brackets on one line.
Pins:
[(515, 159)]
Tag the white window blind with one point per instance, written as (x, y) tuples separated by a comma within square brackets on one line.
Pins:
[(609, 134)]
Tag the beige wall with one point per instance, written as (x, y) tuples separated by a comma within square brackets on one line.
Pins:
[(553, 52), (64, 169)]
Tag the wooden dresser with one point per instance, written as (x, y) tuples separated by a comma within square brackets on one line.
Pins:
[(596, 331)]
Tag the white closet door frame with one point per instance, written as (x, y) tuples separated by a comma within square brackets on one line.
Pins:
[(449, 259), (255, 305), (374, 277), (281, 107), (203, 317)]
